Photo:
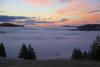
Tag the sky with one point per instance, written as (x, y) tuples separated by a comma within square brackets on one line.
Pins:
[(58, 12)]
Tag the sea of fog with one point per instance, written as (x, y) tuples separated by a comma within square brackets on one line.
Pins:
[(48, 42)]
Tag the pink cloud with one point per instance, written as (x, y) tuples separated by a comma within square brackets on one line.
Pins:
[(78, 8), (40, 2)]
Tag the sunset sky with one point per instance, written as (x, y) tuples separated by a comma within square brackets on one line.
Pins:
[(59, 12)]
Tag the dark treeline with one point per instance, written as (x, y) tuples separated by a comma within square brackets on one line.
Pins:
[(92, 54), (78, 54)]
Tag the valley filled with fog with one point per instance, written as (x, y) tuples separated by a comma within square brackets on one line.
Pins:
[(48, 42)]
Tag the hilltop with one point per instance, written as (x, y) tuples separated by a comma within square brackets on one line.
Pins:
[(10, 25), (89, 27)]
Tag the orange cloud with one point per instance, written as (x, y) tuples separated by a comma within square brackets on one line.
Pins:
[(79, 9)]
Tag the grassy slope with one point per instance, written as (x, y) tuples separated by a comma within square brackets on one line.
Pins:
[(47, 63)]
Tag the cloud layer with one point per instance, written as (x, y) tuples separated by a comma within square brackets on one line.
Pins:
[(75, 11), (10, 18)]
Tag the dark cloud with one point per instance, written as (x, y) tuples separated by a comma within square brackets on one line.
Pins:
[(4, 18), (22, 20), (94, 11)]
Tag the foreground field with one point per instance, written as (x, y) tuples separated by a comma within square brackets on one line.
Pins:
[(47, 63)]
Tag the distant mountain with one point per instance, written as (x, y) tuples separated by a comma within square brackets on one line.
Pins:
[(10, 25), (89, 27)]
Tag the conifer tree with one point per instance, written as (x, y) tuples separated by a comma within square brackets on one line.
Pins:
[(77, 54), (2, 50), (95, 49), (27, 53), (31, 53), (23, 52), (85, 55)]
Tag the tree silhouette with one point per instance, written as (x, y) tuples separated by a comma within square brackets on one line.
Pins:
[(31, 53), (23, 52), (77, 54), (27, 53), (85, 55), (95, 49), (2, 50)]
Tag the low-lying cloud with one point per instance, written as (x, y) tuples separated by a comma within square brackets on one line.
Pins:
[(4, 18)]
